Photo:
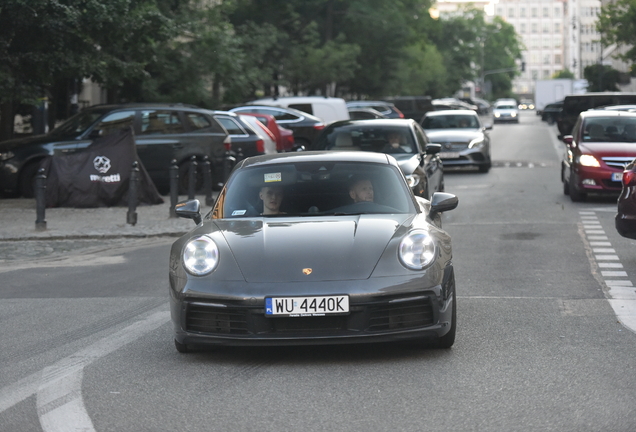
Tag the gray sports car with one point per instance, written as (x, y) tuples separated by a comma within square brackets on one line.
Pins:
[(314, 248)]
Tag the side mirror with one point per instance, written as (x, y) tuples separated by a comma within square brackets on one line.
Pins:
[(441, 202), (433, 148), (567, 139), (189, 210), (488, 127)]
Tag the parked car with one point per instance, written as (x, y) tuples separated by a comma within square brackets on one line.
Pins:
[(266, 135), (328, 109), (306, 127), (551, 112), (618, 107), (463, 137), (403, 139), (451, 104), (162, 132), (626, 216), (387, 109), (573, 105), (413, 107), (601, 145), (505, 112), (246, 141), (284, 137), (330, 270), (364, 113)]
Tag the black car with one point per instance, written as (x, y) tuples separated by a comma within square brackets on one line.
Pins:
[(387, 109), (551, 112), (323, 268), (306, 127), (626, 215), (162, 132), (403, 139)]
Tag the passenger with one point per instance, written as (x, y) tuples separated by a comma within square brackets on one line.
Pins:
[(361, 190), (394, 145), (272, 197), (629, 132), (463, 123)]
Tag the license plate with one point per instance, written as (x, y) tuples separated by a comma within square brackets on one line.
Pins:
[(306, 306), (449, 155), (617, 176)]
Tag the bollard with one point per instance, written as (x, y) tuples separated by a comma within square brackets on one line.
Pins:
[(207, 180), (228, 163), (40, 200), (174, 187), (192, 177), (133, 194)]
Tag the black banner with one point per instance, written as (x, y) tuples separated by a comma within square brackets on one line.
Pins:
[(99, 175)]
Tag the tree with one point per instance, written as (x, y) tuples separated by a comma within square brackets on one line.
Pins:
[(564, 73), (617, 25), (601, 78)]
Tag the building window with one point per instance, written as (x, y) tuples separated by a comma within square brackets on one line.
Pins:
[(546, 12), (557, 27), (511, 12), (534, 27), (557, 12), (523, 28), (546, 41), (546, 74), (534, 12), (557, 59), (522, 12), (535, 74), (546, 27), (546, 59)]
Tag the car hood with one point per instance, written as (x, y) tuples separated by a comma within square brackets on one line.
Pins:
[(609, 149), (453, 135), (338, 248), (27, 141), (407, 162)]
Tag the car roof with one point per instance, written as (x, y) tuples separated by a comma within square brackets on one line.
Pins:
[(451, 111), (281, 108), (104, 107), (317, 156), (375, 122), (606, 113)]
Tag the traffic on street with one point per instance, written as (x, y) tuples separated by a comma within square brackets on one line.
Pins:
[(545, 324)]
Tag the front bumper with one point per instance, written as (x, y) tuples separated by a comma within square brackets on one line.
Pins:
[(602, 180), (391, 309), (467, 158)]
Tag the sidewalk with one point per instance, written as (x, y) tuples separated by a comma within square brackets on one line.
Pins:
[(17, 221)]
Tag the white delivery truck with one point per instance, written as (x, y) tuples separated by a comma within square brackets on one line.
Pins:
[(555, 90)]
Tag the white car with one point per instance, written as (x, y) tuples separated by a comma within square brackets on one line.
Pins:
[(505, 112), (329, 109)]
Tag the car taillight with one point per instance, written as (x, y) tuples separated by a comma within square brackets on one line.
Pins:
[(260, 146), (399, 112), (629, 178), (227, 143), (319, 126)]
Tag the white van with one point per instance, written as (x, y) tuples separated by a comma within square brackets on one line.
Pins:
[(329, 109)]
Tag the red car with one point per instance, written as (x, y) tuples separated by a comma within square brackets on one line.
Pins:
[(601, 145), (284, 137), (626, 216)]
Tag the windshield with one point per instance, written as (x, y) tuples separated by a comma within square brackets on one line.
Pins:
[(367, 137), (611, 129), (451, 121), (505, 107), (77, 125), (314, 189)]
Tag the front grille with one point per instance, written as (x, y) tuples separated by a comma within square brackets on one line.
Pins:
[(209, 319), (619, 162), (454, 146), (406, 314), (612, 184)]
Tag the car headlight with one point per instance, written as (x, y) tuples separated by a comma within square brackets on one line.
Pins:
[(497, 114), (477, 142), (200, 256), (589, 161), (413, 180), (513, 114), (417, 250), (6, 155)]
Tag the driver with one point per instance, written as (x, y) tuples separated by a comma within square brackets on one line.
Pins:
[(361, 190), (272, 197)]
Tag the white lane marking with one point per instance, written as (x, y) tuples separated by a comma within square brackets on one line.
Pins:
[(59, 402), (621, 293), (66, 367)]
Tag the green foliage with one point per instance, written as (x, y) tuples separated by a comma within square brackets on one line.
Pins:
[(601, 78), (564, 73), (617, 25)]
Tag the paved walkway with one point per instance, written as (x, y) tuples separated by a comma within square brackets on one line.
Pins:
[(18, 216)]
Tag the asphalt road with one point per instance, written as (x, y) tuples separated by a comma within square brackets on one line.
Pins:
[(86, 338)]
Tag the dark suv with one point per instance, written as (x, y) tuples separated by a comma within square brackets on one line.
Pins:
[(162, 132)]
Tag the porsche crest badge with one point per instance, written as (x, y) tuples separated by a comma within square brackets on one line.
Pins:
[(307, 271)]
